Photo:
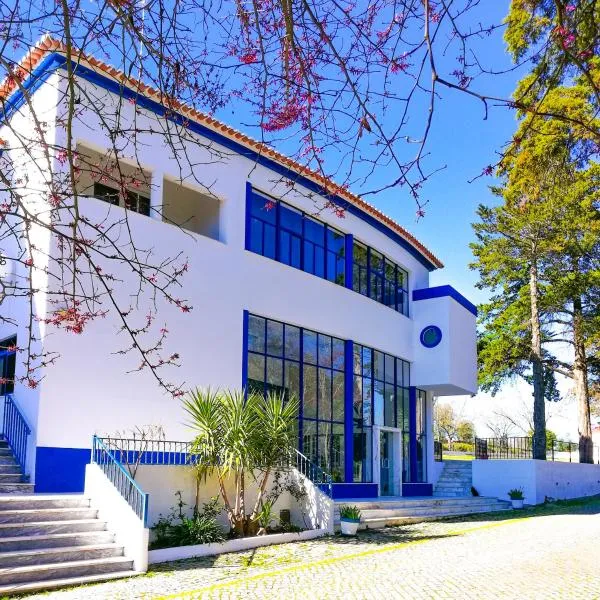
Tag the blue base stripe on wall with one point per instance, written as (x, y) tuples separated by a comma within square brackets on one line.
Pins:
[(417, 489), (343, 491), (60, 469)]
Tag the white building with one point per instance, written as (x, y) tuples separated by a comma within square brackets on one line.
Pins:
[(336, 310)]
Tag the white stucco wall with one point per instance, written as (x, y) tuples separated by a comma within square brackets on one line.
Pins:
[(539, 479), (450, 368), (314, 511), (93, 389), (121, 520)]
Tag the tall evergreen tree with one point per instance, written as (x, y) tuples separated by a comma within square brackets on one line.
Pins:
[(550, 225)]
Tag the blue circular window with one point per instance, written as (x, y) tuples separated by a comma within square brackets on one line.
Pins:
[(431, 336)]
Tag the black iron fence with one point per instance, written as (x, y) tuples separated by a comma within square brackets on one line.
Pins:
[(509, 448)]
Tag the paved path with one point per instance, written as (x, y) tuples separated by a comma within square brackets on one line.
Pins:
[(541, 557)]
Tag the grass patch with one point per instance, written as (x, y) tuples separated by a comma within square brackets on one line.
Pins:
[(458, 457)]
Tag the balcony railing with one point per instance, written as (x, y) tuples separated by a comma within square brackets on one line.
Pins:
[(141, 451)]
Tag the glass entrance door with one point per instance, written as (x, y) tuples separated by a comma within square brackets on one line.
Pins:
[(386, 459)]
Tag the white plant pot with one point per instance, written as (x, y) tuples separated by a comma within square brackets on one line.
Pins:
[(517, 503), (349, 527)]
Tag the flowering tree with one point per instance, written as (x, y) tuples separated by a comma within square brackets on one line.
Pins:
[(355, 82)]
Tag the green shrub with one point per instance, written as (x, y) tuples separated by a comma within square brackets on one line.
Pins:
[(350, 512), (177, 529)]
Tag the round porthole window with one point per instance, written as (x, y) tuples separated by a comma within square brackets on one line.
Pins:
[(431, 336)]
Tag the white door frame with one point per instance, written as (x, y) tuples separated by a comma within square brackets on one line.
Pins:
[(397, 458)]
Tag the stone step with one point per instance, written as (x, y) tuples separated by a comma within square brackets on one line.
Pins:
[(38, 586), (7, 459), (48, 527), (16, 488), (11, 478), (57, 555), (3, 443), (55, 540), (78, 568), (35, 501), (378, 522), (5, 451), (416, 503), (453, 482), (410, 512), (446, 494), (10, 469), (47, 514)]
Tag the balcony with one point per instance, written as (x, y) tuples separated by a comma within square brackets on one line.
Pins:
[(445, 342)]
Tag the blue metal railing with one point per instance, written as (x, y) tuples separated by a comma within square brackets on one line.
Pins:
[(141, 451), (16, 431), (313, 472), (116, 473)]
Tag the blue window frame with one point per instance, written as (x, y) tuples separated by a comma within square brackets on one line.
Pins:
[(309, 365), (379, 278), (288, 235), (379, 379)]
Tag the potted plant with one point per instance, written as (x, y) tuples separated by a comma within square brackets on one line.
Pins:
[(516, 497), (349, 519)]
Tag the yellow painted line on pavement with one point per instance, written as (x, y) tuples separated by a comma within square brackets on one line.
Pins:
[(335, 559)]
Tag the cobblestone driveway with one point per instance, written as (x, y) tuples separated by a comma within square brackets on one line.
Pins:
[(544, 556)]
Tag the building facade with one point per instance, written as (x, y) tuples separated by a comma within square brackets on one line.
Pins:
[(286, 294)]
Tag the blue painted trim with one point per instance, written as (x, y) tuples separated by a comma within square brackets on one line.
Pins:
[(301, 386), (412, 432), (247, 240), (63, 469), (417, 489), (36, 78), (349, 261), (436, 341), (442, 291), (348, 411), (55, 60), (60, 470), (343, 491), (245, 318)]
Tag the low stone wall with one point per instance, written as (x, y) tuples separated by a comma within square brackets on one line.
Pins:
[(539, 479)]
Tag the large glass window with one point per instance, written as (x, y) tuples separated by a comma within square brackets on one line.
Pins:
[(294, 238), (288, 235), (380, 279), (309, 365), (379, 380)]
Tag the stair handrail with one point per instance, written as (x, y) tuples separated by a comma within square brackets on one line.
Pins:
[(313, 472), (118, 475), (16, 431)]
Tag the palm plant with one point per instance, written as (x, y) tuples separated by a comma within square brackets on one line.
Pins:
[(241, 437)]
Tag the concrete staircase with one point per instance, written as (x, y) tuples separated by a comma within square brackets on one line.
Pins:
[(12, 480), (401, 511), (55, 541), (455, 480)]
